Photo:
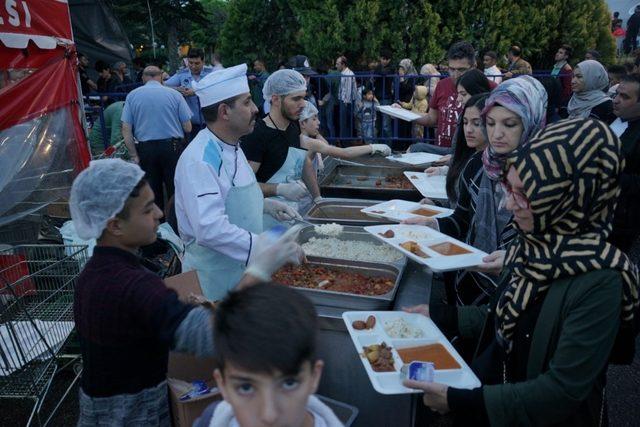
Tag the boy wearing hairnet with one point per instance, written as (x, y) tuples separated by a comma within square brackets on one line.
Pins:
[(127, 319)]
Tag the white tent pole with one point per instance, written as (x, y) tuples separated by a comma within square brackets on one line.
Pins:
[(153, 33)]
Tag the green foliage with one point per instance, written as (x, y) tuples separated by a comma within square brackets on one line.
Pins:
[(173, 21), (359, 29), (274, 30), (206, 35), (264, 29)]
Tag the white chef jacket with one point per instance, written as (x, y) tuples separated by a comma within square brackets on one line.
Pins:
[(205, 173)]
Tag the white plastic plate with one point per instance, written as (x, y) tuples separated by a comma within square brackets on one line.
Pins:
[(414, 158), (399, 210), (391, 382), (426, 237), (433, 187), (398, 113)]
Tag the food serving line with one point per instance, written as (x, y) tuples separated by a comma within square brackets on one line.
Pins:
[(347, 188)]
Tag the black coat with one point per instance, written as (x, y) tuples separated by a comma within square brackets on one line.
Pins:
[(633, 25), (626, 221)]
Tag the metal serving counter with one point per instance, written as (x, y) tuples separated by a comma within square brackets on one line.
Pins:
[(344, 377)]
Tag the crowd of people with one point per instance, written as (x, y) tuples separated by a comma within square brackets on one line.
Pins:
[(543, 174)]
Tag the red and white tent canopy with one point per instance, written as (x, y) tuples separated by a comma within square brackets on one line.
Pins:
[(42, 141)]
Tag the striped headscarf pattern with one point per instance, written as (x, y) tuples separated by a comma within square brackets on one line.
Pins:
[(570, 175), (526, 97)]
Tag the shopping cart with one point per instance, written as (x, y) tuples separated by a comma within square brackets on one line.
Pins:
[(36, 320), (115, 151)]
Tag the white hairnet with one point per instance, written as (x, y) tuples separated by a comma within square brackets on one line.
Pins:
[(309, 111), (99, 192), (284, 82)]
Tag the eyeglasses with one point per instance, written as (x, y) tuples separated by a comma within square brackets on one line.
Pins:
[(520, 199)]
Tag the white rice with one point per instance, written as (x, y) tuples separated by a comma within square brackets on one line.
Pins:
[(332, 229), (350, 249), (414, 235), (399, 328)]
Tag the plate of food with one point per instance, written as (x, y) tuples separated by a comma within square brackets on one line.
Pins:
[(415, 159), (429, 247), (388, 342), (399, 210), (399, 113), (433, 187)]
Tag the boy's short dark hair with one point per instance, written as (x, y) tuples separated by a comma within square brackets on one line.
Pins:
[(265, 328), (632, 78), (617, 70), (594, 53), (195, 52), (515, 50), (629, 66), (101, 66), (491, 54), (567, 49), (386, 54), (124, 213), (462, 50)]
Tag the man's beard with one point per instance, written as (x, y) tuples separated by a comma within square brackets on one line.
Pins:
[(286, 115)]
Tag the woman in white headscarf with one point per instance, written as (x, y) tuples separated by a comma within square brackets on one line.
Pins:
[(589, 84)]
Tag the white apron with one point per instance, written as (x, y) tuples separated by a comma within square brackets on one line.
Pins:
[(290, 171), (218, 273)]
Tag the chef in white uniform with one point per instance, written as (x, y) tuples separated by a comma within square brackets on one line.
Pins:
[(219, 204)]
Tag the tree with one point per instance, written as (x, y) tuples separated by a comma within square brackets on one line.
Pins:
[(359, 29), (265, 29), (586, 25), (206, 35), (172, 21), (274, 30)]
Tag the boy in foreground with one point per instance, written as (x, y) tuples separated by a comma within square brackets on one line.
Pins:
[(267, 370)]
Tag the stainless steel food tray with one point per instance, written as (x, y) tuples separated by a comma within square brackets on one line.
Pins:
[(359, 182), (348, 301), (352, 233), (343, 211), (368, 160)]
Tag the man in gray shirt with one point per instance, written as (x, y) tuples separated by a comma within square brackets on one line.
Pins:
[(157, 117)]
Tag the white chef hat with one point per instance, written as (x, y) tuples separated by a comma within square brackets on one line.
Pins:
[(99, 193), (309, 111), (222, 84)]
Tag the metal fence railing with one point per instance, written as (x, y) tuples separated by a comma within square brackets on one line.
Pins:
[(341, 121)]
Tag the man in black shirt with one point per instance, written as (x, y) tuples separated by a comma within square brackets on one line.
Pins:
[(626, 105), (273, 150), (384, 90), (106, 81), (630, 42), (86, 83)]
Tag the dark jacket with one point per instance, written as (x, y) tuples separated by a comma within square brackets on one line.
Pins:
[(384, 85), (633, 25), (626, 221), (568, 354)]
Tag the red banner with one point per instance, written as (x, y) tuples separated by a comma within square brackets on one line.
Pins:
[(38, 55), (48, 18)]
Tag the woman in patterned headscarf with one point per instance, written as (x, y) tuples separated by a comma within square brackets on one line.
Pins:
[(567, 297), (513, 112), (589, 85)]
